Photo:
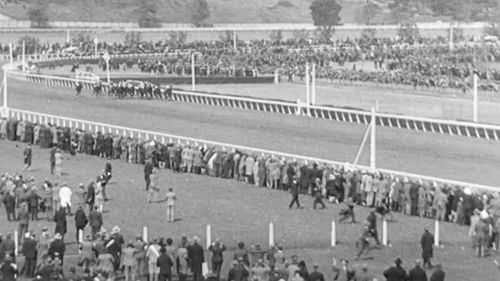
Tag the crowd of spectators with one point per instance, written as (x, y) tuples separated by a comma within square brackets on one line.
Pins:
[(426, 63)]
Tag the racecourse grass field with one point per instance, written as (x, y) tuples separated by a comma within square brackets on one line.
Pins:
[(241, 212), (450, 157)]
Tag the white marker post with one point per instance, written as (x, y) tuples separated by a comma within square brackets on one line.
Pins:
[(193, 78), (235, 44), (96, 41), (436, 233), (271, 234), (209, 235), (384, 232), (16, 242), (80, 236), (313, 84), (145, 234), (11, 54), (68, 38), (475, 97), (334, 234), (107, 57), (308, 95), (5, 90), (373, 140)]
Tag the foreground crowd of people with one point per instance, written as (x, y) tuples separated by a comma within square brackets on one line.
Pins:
[(384, 193)]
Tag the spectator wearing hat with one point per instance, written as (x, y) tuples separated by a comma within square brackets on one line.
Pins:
[(238, 272), (27, 155), (96, 222), (140, 256), (417, 273), (294, 191), (364, 275), (152, 254), (438, 274), (129, 263), (90, 198), (362, 244), (427, 243), (342, 272), (8, 269), (105, 264), (60, 220), (164, 264), (241, 253), (114, 246), (57, 247), (196, 258), (65, 194), (42, 247), (481, 231), (86, 253), (396, 272), (33, 203), (182, 260), (260, 271), (9, 201), (154, 186), (23, 217), (170, 198), (30, 254), (81, 195), (315, 275), (7, 247), (217, 249), (80, 222)]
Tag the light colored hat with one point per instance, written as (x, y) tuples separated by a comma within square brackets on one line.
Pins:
[(115, 229), (57, 236), (484, 215), (467, 191)]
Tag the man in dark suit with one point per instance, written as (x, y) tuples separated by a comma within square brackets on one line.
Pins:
[(33, 200), (90, 195), (57, 246), (294, 190), (165, 264), (30, 254), (8, 270), (196, 259), (438, 274), (60, 220), (427, 242), (396, 272), (95, 218), (315, 275), (27, 157), (417, 273), (9, 201), (80, 221)]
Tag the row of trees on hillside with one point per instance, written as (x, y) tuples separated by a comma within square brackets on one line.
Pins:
[(147, 12)]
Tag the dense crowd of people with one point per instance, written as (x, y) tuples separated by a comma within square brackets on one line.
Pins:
[(428, 63)]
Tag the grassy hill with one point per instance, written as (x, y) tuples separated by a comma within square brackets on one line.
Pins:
[(178, 11)]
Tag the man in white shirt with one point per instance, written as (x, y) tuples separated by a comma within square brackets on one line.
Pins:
[(152, 254), (65, 197)]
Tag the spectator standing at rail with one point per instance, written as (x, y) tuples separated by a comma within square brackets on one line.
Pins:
[(164, 264), (27, 154)]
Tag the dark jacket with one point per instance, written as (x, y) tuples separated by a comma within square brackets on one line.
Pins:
[(95, 218), (316, 276), (60, 219), (33, 200), (417, 274), (57, 246), (437, 275), (427, 241), (196, 257), (8, 271), (9, 201), (80, 219), (217, 252), (395, 273), (165, 264), (29, 248)]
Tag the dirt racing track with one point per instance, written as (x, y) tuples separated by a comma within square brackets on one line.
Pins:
[(450, 157)]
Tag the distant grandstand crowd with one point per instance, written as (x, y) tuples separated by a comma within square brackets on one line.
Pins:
[(427, 63)]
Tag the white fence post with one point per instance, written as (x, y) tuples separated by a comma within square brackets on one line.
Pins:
[(209, 235), (271, 234), (436, 233), (384, 232), (145, 234), (334, 234), (16, 242)]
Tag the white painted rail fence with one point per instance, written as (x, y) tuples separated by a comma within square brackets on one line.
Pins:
[(438, 126), (168, 138)]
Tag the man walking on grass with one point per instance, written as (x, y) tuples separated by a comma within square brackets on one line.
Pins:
[(27, 157), (170, 198)]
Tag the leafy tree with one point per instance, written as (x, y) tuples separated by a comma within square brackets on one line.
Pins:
[(147, 14), (200, 13), (403, 11), (38, 15), (367, 13), (325, 15)]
